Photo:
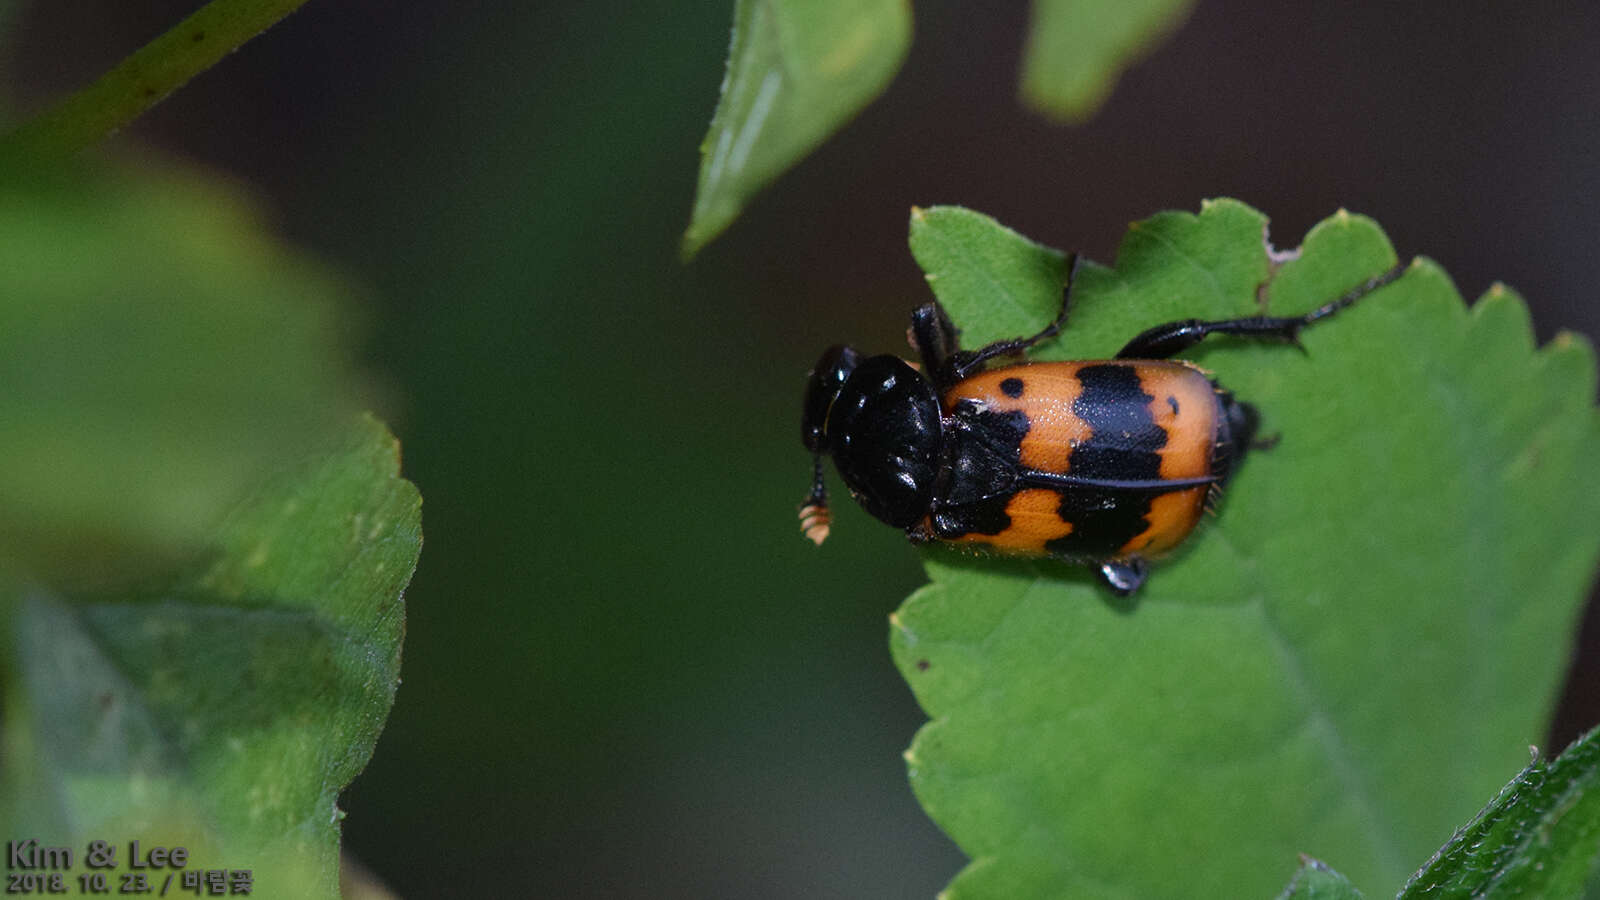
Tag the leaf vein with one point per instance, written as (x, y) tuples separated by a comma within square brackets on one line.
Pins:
[(1381, 832)]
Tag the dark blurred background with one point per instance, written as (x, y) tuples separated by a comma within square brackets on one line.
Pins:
[(626, 674)]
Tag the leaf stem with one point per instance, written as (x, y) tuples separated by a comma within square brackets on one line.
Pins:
[(142, 80)]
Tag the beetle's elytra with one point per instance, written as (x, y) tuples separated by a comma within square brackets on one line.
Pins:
[(1107, 463)]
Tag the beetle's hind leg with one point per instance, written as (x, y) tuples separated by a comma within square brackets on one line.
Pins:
[(1164, 341), (936, 339)]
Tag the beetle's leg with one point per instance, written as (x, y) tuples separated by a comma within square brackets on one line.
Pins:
[(1166, 340), (1124, 576), (935, 337), (968, 361)]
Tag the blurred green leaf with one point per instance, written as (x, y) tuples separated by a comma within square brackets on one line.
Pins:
[(1316, 881), (1540, 837), (1372, 629), (226, 712), (158, 349), (797, 72), (1077, 49)]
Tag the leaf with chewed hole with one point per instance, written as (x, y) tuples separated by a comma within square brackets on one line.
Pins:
[(224, 712), (1343, 661), (797, 72), (1077, 49)]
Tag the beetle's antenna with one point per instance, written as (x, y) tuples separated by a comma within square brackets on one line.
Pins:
[(814, 517)]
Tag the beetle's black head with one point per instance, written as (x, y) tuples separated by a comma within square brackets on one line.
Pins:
[(1236, 434), (879, 420)]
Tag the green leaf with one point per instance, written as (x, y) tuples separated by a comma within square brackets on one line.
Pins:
[(797, 72), (1371, 630), (158, 351), (1540, 837), (967, 254), (225, 712), (1315, 881), (1077, 48)]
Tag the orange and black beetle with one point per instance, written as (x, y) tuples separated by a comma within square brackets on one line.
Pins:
[(1105, 462)]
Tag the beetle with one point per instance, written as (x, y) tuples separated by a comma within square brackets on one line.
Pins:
[(1106, 463)]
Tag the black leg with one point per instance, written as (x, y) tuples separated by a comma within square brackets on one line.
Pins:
[(1123, 576), (935, 338), (1172, 338), (947, 365)]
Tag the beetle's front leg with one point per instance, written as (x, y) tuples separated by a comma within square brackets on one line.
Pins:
[(936, 338)]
